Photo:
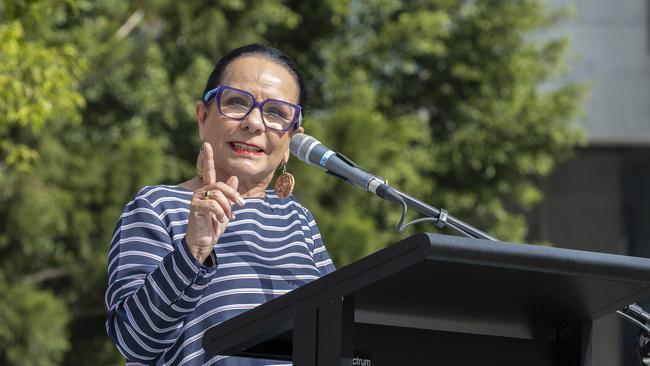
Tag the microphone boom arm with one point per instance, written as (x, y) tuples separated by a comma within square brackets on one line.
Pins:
[(313, 152), (442, 218)]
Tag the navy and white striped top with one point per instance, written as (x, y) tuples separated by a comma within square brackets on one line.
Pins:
[(161, 300)]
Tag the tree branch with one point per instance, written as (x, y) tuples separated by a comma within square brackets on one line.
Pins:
[(44, 275), (130, 23)]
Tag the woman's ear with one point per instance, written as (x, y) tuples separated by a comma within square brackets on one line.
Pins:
[(286, 156), (293, 132), (201, 111)]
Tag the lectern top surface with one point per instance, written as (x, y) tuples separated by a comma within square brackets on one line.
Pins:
[(465, 285), (495, 288)]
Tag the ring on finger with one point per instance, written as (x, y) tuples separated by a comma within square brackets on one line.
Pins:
[(207, 194), (202, 195)]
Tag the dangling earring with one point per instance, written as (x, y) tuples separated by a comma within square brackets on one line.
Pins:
[(199, 162), (284, 183)]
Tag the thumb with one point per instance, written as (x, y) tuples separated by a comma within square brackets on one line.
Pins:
[(233, 182)]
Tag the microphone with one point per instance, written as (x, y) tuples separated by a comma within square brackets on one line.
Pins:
[(637, 313), (313, 152)]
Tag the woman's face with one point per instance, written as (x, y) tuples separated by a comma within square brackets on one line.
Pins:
[(264, 79)]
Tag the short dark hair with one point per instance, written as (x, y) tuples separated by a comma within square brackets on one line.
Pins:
[(269, 52)]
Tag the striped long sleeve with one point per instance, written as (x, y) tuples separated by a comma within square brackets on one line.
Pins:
[(321, 257), (154, 282), (160, 300)]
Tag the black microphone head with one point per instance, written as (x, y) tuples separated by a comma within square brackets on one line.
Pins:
[(301, 144), (637, 311)]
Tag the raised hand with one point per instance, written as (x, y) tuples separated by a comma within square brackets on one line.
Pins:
[(211, 208)]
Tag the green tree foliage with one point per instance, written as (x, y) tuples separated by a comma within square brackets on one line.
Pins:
[(457, 102), (33, 326), (39, 77), (452, 101), (39, 89)]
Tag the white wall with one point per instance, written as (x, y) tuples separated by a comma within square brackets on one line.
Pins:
[(610, 46)]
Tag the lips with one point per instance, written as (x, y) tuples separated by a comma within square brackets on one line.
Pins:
[(246, 148)]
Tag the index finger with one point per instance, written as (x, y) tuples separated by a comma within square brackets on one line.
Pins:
[(209, 174)]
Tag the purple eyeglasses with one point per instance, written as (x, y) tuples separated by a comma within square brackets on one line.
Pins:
[(237, 104)]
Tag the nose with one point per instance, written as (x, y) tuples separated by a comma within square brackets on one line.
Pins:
[(253, 121)]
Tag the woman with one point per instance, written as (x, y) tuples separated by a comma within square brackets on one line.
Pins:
[(184, 258)]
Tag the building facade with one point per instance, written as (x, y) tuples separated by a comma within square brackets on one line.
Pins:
[(600, 199)]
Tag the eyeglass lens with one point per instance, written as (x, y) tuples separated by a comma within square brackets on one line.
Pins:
[(276, 115)]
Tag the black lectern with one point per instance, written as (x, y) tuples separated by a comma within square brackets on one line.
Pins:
[(442, 300)]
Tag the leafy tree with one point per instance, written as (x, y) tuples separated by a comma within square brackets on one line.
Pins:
[(38, 78), (451, 101), (39, 75), (456, 102)]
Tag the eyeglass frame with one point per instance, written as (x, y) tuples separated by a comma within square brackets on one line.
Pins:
[(218, 91)]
